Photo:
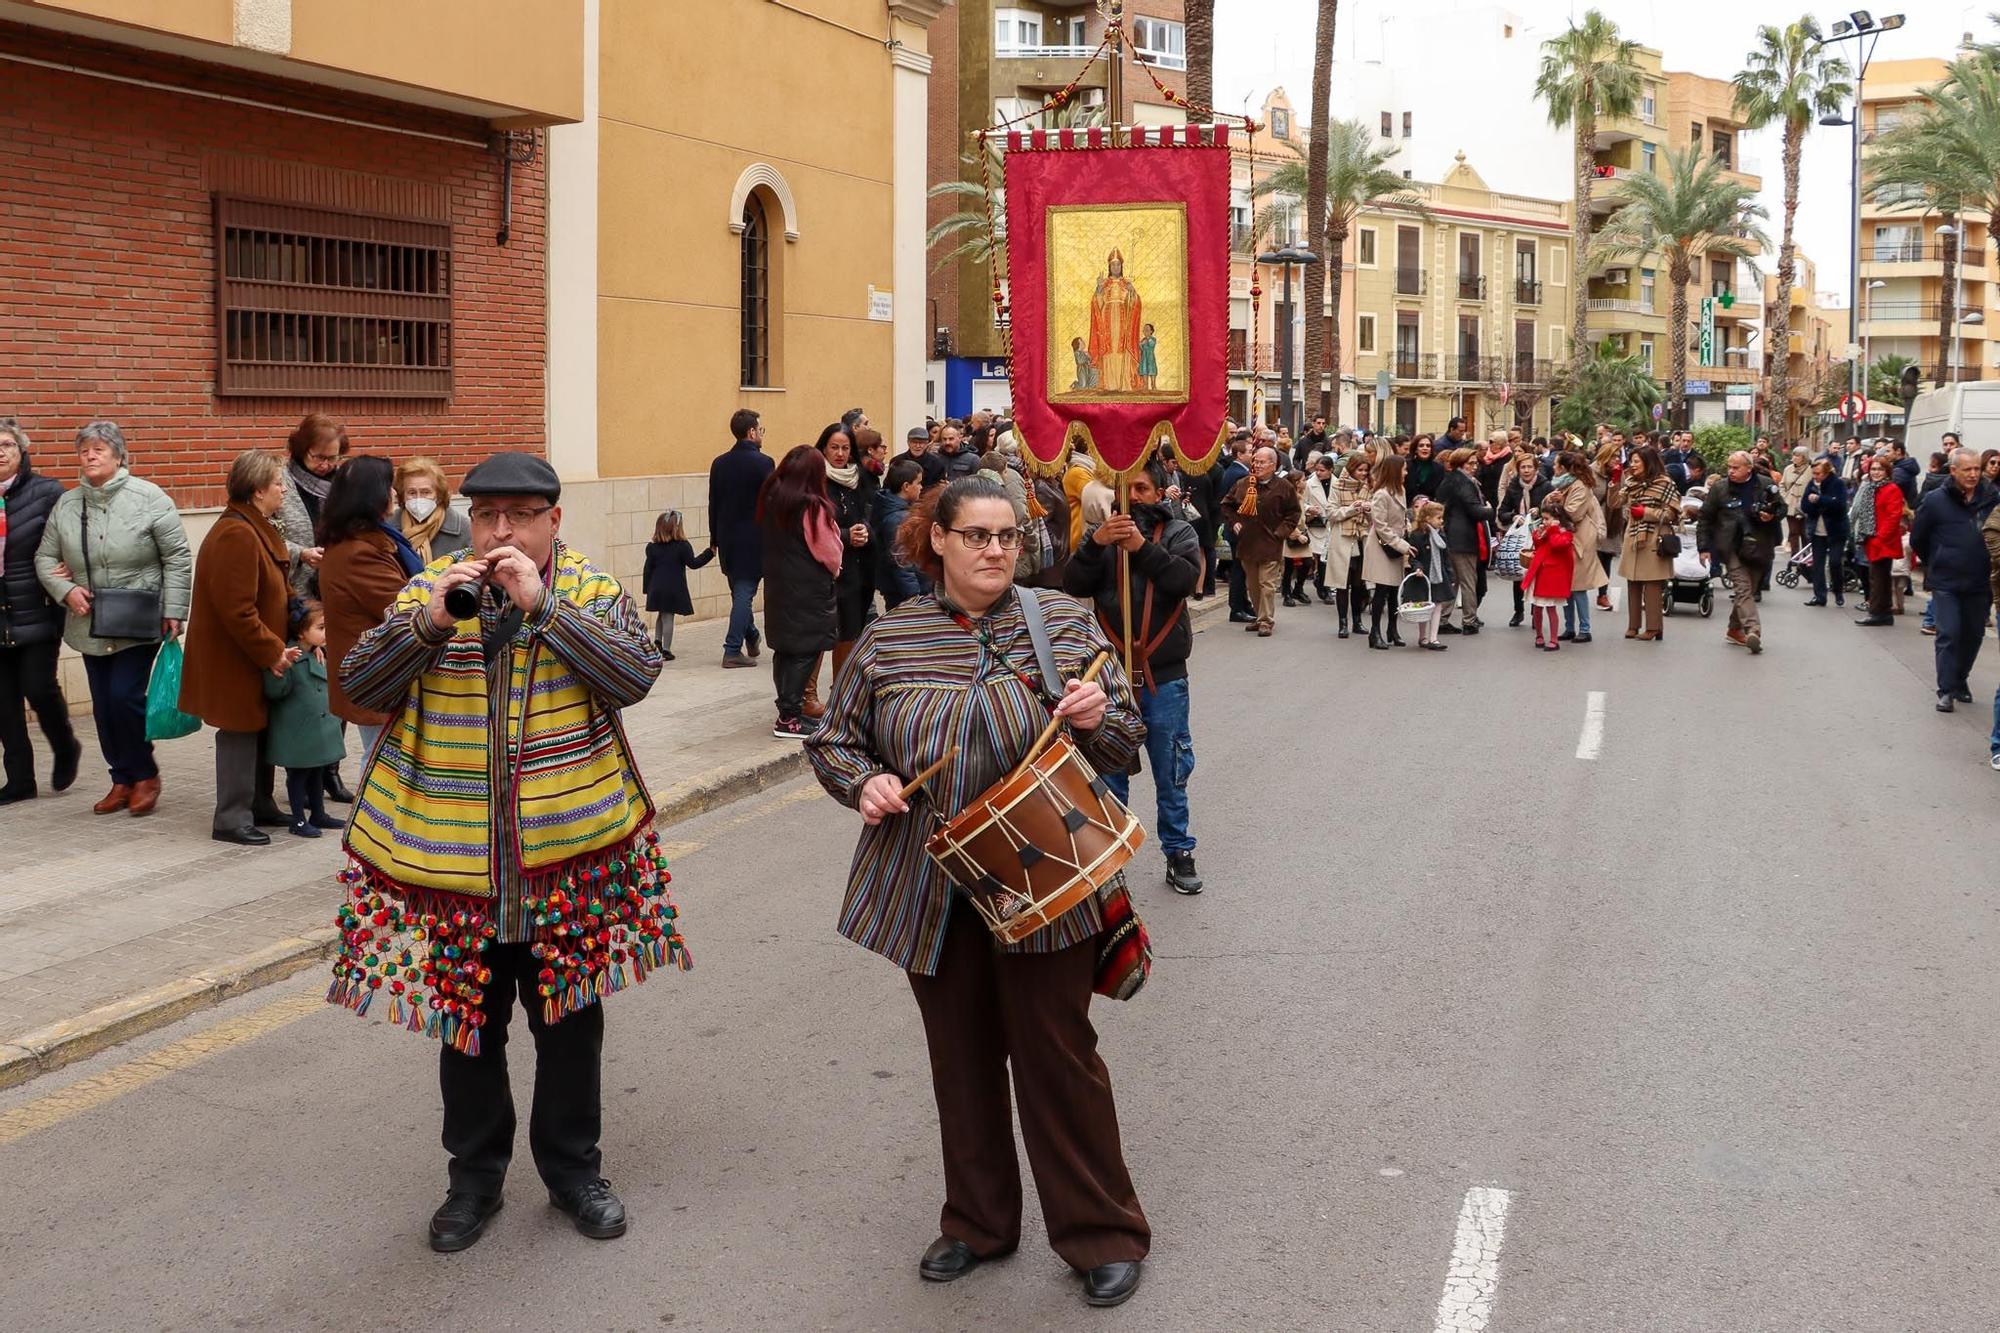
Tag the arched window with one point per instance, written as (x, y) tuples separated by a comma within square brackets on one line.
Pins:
[(756, 265)]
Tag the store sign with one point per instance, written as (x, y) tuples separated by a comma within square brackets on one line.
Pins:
[(1707, 332), (1699, 388)]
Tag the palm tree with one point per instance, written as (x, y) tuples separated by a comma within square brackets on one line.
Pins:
[(1589, 71), (977, 242), (1690, 210), (1357, 177), (1885, 377), (1789, 77), (1601, 385), (1200, 28), (1322, 111)]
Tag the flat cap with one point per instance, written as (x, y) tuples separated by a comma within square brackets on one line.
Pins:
[(513, 474), (918, 433)]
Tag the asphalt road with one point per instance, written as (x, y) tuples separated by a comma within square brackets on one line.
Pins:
[(1467, 1032)]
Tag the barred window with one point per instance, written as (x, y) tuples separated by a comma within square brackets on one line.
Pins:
[(756, 313), (322, 303)]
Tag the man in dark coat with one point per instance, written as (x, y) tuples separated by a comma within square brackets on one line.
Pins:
[(1165, 561), (959, 461), (31, 626), (1739, 527), (734, 479), (1226, 476), (1946, 540)]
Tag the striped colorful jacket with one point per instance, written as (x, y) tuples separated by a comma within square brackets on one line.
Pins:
[(917, 684), (604, 643)]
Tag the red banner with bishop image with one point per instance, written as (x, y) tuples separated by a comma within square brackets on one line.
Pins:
[(1118, 284)]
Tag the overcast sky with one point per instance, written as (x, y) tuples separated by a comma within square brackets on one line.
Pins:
[(1264, 42)]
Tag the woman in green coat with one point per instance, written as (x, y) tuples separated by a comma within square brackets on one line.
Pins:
[(135, 542)]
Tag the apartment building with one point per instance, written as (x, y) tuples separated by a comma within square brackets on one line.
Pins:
[(1456, 308), (1814, 357), (1628, 302), (997, 61), (1904, 248)]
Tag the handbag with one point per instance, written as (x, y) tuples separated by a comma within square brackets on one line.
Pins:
[(1668, 543), (120, 613)]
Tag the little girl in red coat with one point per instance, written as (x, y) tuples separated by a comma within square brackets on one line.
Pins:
[(1548, 575)]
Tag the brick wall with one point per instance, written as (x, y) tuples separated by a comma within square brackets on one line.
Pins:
[(107, 278)]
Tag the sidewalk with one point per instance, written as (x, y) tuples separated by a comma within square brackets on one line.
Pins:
[(111, 926)]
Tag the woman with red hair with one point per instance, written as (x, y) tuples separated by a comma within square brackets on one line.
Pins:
[(802, 554)]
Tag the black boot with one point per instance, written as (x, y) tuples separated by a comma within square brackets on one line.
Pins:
[(1340, 601), (1375, 639)]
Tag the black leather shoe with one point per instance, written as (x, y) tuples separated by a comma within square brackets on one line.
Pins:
[(461, 1220), (1242, 618), (64, 776), (1872, 621), (269, 816), (9, 795), (1963, 696), (1450, 629), (947, 1260), (247, 836), (1112, 1284), (596, 1209), (1944, 704)]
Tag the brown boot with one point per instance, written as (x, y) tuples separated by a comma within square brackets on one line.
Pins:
[(812, 706), (114, 800), (841, 652), (145, 795)]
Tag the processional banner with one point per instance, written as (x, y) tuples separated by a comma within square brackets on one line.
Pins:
[(1118, 287)]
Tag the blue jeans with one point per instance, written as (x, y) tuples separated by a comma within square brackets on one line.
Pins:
[(742, 623), (1170, 754), (1576, 613)]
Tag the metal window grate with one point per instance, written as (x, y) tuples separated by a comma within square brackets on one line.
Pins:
[(756, 312), (314, 302)]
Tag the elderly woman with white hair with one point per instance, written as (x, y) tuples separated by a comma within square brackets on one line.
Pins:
[(1792, 485), (115, 555)]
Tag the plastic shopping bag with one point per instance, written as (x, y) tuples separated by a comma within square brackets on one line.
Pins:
[(164, 719)]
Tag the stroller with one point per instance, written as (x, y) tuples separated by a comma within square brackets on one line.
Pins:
[(1693, 582)]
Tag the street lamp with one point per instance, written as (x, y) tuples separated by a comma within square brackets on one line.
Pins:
[(1864, 30), (1291, 257), (1867, 365)]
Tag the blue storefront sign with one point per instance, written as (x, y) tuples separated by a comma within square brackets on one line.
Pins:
[(973, 382)]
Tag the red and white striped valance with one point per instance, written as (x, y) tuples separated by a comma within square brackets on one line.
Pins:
[(1137, 136)]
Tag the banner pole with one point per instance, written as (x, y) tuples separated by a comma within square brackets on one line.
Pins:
[(1116, 89), (1125, 578)]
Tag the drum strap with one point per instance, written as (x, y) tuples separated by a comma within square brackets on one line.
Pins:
[(1038, 637)]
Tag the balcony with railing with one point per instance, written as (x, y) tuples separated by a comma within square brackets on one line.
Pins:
[(1471, 287), (1923, 252), (1467, 368), (1620, 305), (1242, 238), (1530, 370), (1058, 51), (1961, 374), (1414, 366), (1410, 281), (1527, 292)]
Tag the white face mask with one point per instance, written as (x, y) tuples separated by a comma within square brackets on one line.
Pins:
[(420, 507)]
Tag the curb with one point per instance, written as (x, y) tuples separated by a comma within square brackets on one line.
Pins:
[(50, 1048)]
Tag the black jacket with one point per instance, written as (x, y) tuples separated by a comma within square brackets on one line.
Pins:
[(733, 481), (1827, 500), (961, 464), (1444, 584), (932, 462), (1510, 502), (1905, 474), (665, 578), (1945, 537), (1169, 565), (896, 581), (1722, 530), (1421, 477), (26, 613), (1465, 512), (857, 563), (798, 595)]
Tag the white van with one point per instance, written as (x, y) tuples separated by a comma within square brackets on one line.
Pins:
[(1973, 410)]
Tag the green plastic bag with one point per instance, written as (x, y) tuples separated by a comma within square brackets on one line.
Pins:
[(164, 719)]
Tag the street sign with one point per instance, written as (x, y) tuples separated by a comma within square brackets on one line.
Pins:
[(1658, 411), (1852, 406), (1739, 391), (1382, 379)]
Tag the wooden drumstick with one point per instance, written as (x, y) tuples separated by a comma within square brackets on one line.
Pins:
[(1048, 732), (910, 788)]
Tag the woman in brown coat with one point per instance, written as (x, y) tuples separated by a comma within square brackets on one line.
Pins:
[(1576, 484), (1651, 506), (367, 562), (236, 632)]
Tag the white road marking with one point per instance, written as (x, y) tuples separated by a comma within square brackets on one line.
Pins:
[(1473, 1280), (1592, 740)]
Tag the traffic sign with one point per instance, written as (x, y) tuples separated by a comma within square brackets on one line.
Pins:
[(1658, 411), (1852, 407)]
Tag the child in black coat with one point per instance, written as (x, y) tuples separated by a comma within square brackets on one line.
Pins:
[(669, 556)]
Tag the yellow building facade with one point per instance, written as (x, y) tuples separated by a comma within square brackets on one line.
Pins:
[(718, 244), (1818, 337)]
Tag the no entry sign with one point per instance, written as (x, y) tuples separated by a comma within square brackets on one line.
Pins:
[(1852, 406)]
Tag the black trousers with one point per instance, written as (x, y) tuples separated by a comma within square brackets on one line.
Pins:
[(1205, 534), (789, 674), (118, 684), (1880, 600), (305, 791), (28, 680), (1826, 568), (567, 1117), (1239, 591)]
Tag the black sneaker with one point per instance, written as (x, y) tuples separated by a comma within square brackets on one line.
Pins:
[(1182, 877), (593, 1207), (794, 728)]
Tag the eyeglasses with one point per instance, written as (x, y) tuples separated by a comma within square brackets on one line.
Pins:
[(518, 518), (976, 538)]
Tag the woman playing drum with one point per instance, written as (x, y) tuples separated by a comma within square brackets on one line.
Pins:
[(957, 669)]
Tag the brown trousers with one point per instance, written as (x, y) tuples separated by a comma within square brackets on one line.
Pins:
[(983, 1009), (1261, 577), (1644, 604)]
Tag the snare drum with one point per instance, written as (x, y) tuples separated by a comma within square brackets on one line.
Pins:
[(1038, 842)]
